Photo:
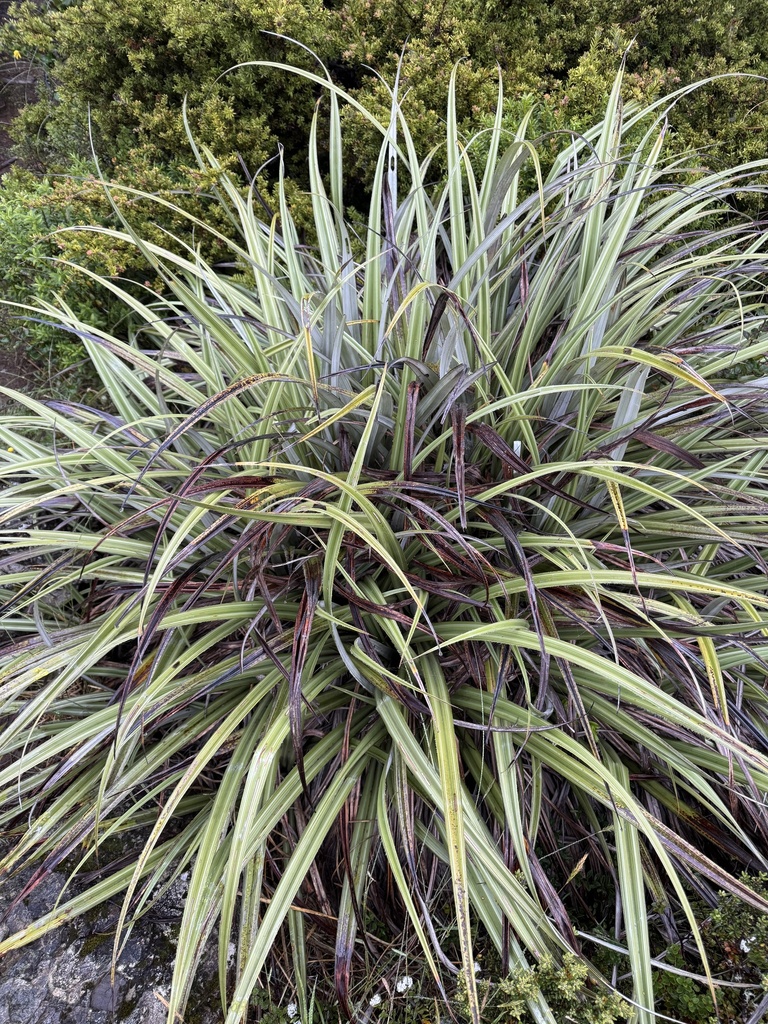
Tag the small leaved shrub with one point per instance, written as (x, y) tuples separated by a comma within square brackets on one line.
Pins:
[(565, 988), (129, 64), (44, 231), (113, 75), (736, 940), (28, 256)]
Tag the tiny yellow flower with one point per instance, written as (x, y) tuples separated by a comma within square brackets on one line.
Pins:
[(16, 55), (11, 449)]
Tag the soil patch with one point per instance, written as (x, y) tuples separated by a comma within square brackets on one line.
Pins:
[(17, 370)]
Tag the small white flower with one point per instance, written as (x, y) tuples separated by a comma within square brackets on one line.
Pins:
[(375, 1000), (404, 983), (478, 968), (292, 1010), (746, 944)]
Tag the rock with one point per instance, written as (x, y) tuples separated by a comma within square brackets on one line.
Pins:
[(22, 1000), (106, 996), (72, 974), (65, 976), (150, 1010)]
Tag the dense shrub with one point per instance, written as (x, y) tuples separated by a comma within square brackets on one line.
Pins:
[(129, 66), (132, 62), (27, 256), (736, 939)]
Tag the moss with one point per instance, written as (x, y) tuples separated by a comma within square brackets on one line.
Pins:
[(91, 943)]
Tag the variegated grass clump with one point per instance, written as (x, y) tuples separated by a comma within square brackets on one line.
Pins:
[(429, 561)]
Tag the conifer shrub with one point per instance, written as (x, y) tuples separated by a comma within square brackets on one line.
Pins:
[(129, 64)]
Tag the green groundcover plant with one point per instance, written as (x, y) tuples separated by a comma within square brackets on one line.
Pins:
[(413, 574)]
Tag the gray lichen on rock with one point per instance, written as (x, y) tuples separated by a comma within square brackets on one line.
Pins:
[(65, 977)]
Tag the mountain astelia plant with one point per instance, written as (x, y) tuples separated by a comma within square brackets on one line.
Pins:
[(413, 577)]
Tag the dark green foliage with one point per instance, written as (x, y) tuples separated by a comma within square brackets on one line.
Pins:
[(683, 997), (736, 940), (741, 934), (133, 62)]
